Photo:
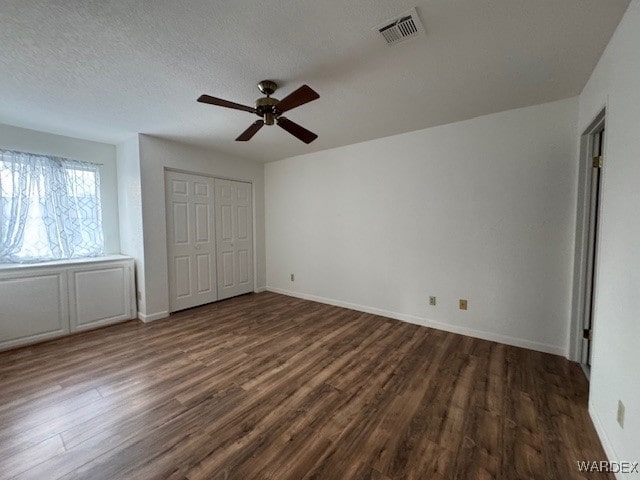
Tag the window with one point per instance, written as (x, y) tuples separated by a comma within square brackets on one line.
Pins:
[(49, 208)]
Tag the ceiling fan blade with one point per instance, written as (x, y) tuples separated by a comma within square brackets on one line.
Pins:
[(225, 103), (296, 130), (304, 94), (251, 131)]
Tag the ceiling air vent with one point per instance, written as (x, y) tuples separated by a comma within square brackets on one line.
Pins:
[(403, 28)]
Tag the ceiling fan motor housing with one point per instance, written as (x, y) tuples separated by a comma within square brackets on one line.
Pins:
[(265, 108)]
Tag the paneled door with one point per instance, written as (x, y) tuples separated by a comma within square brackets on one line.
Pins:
[(191, 240), (234, 237)]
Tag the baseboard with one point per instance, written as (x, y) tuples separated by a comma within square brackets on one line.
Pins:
[(604, 439), (152, 316), (260, 289), (33, 340), (425, 322)]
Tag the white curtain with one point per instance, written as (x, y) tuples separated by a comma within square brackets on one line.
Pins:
[(49, 208)]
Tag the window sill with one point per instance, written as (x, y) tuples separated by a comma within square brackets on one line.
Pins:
[(57, 263)]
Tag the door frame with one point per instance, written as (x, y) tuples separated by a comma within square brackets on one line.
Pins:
[(585, 174), (253, 215)]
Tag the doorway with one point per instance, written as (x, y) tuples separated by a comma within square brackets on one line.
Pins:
[(209, 239), (589, 219)]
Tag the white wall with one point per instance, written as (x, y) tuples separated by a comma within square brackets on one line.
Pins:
[(130, 209), (157, 154), (24, 140), (616, 354), (482, 209)]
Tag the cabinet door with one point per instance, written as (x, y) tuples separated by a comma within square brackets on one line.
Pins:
[(34, 307), (99, 295)]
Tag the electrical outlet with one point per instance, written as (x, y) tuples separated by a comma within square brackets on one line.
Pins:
[(463, 304), (293, 277), (620, 416), (432, 300)]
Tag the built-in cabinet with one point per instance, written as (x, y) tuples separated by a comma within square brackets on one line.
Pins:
[(43, 301)]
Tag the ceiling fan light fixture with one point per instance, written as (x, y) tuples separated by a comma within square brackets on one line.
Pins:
[(269, 118)]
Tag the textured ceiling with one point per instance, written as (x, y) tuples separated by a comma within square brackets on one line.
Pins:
[(107, 69)]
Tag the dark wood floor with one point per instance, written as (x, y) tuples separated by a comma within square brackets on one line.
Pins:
[(271, 387)]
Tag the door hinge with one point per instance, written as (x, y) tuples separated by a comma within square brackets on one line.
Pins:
[(587, 333), (598, 161)]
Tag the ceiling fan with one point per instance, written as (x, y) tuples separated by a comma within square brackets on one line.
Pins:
[(271, 110)]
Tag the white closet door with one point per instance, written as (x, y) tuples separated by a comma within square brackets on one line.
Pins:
[(190, 240), (234, 237)]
